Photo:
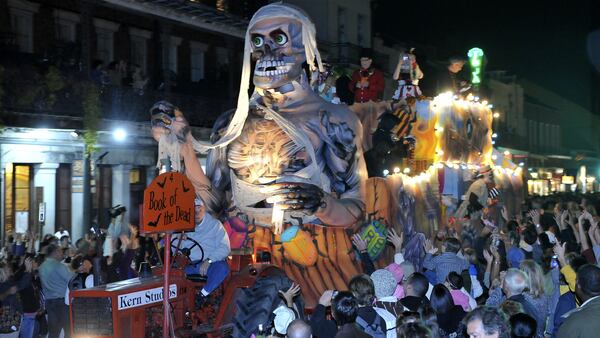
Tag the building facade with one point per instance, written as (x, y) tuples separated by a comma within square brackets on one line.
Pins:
[(72, 67)]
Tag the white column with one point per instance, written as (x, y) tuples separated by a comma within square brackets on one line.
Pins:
[(45, 176), (120, 188)]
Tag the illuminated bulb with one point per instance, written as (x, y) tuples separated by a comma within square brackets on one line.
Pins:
[(440, 165), (456, 166), (494, 135), (476, 98), (521, 164), (493, 142), (470, 97), (506, 153), (440, 152), (494, 157), (484, 102), (406, 170), (119, 134), (440, 129), (396, 170), (386, 172), (491, 106), (496, 115)]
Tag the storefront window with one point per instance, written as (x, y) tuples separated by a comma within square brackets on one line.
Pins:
[(17, 190)]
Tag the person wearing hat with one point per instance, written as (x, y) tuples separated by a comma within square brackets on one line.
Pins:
[(386, 305), (367, 84)]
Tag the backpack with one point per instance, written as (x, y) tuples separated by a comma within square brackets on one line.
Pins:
[(374, 329)]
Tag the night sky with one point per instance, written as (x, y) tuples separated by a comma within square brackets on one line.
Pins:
[(542, 41)]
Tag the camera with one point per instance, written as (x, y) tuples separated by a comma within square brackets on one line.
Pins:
[(116, 211)]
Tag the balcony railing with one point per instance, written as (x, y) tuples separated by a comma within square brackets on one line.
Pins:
[(39, 89)]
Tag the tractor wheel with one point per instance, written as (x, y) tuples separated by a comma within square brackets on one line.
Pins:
[(255, 305)]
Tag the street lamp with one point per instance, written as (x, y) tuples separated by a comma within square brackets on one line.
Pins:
[(119, 134)]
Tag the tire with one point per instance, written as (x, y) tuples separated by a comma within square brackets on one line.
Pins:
[(255, 305)]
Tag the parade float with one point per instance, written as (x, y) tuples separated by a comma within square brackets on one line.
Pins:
[(285, 172)]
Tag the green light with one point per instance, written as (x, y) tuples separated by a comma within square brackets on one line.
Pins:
[(476, 60)]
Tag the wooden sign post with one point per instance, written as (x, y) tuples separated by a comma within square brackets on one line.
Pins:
[(168, 207)]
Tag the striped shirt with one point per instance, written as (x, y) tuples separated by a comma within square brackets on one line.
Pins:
[(445, 263)]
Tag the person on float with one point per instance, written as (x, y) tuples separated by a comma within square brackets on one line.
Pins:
[(368, 84), (451, 79), (208, 248), (407, 73)]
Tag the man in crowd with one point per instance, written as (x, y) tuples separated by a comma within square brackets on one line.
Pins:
[(415, 289), (344, 309), (486, 322), (448, 261), (55, 277), (299, 329), (583, 321)]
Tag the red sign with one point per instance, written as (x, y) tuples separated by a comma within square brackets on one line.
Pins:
[(168, 204)]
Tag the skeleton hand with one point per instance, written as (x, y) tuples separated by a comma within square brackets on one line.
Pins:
[(296, 196), (167, 119)]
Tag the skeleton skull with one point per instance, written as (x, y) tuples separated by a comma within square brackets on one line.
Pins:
[(278, 50)]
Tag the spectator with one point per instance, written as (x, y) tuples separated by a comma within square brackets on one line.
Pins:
[(522, 326), (511, 308), (55, 277), (514, 284), (344, 309), (319, 324), (299, 329), (83, 278), (486, 322), (415, 289), (449, 315), (535, 294), (583, 321), (9, 287), (386, 305), (367, 318), (460, 296), (447, 261), (414, 330)]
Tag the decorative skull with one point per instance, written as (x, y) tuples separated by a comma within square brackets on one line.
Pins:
[(278, 50)]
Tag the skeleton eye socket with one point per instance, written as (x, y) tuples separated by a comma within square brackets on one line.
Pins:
[(280, 39), (258, 41)]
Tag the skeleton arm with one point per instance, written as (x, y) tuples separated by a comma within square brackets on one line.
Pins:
[(346, 169)]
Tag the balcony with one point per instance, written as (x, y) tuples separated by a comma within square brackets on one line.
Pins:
[(37, 93)]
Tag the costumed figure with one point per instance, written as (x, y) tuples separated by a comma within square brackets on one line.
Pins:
[(408, 74), (481, 195), (450, 78), (325, 84), (285, 162), (392, 139), (367, 84)]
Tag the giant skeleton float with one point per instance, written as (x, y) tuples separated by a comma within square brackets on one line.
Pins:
[(285, 170)]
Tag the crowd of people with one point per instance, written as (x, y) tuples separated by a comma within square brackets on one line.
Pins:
[(534, 274)]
